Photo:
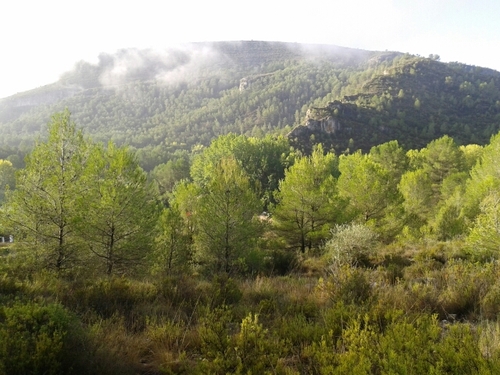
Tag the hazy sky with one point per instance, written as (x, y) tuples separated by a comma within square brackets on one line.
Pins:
[(42, 39)]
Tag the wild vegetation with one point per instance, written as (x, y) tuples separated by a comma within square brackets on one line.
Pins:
[(250, 257), (181, 99)]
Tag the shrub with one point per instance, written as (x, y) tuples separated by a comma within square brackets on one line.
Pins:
[(38, 339), (464, 286), (217, 346), (350, 244), (490, 303), (299, 331), (224, 291), (255, 352), (118, 294), (489, 340), (180, 295), (167, 342), (282, 262), (250, 351), (8, 286), (254, 262), (349, 285), (117, 350)]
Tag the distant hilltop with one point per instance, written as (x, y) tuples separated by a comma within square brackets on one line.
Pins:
[(176, 99)]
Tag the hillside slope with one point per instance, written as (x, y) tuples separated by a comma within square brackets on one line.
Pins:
[(160, 102), (415, 100)]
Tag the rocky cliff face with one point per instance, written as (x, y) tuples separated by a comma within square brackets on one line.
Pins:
[(322, 120), (333, 126)]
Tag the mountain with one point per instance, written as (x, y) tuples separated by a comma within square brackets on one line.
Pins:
[(414, 100), (163, 101)]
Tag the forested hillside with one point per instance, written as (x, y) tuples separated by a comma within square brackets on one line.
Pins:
[(186, 96), (252, 208), (415, 100), (162, 102)]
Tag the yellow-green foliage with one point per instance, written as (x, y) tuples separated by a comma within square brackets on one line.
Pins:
[(37, 339), (431, 318), (250, 351), (256, 353), (347, 284), (408, 345)]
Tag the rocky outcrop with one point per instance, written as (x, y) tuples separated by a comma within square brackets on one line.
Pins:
[(244, 83), (323, 120)]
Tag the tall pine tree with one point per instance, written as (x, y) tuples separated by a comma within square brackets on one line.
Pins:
[(43, 209)]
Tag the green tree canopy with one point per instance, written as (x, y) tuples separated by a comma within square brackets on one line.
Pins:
[(172, 253), (308, 204), (263, 160), (121, 209), (366, 184), (485, 178), (484, 238), (225, 213), (7, 178), (46, 203)]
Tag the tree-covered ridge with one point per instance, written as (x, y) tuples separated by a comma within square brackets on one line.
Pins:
[(160, 103), (413, 100), (189, 94)]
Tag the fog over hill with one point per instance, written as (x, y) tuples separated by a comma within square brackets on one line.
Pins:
[(162, 101)]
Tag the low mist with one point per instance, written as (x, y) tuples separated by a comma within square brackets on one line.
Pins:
[(172, 65)]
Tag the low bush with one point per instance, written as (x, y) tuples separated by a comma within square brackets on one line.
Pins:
[(351, 244), (348, 284), (40, 339), (223, 291)]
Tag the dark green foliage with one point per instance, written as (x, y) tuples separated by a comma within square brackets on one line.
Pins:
[(168, 174), (191, 95), (39, 339), (413, 287), (8, 287), (223, 291), (283, 262)]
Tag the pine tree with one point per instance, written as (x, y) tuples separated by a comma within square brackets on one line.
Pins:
[(307, 201), (43, 209), (224, 216), (121, 210)]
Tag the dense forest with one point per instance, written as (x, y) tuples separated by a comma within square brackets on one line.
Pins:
[(252, 208), (179, 99), (250, 257)]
